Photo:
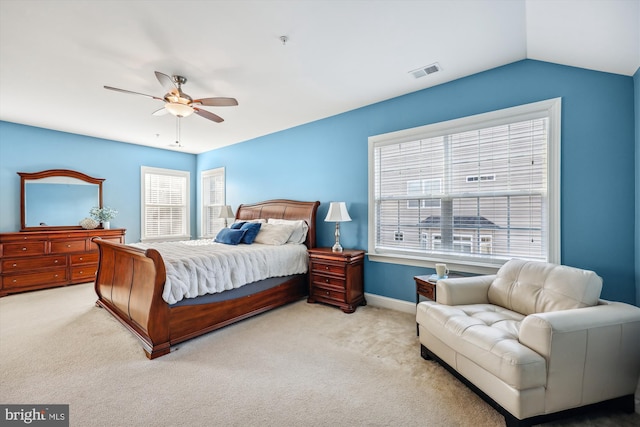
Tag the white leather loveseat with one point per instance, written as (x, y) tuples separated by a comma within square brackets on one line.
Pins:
[(534, 340)]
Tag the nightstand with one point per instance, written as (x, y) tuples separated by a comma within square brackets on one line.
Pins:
[(337, 278)]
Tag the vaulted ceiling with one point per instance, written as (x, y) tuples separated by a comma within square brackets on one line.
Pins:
[(56, 56)]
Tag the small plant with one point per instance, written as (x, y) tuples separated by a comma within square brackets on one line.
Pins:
[(104, 214)]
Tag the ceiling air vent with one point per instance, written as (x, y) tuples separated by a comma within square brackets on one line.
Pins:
[(423, 71)]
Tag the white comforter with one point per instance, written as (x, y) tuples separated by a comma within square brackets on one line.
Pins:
[(199, 267)]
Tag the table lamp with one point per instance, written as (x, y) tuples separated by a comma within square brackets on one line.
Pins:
[(337, 213), (226, 213)]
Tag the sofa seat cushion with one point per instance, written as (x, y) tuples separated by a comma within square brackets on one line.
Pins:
[(488, 335)]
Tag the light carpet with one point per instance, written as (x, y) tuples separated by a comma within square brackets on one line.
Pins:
[(299, 365)]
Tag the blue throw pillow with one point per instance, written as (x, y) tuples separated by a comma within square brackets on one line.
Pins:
[(251, 230), (230, 236), (237, 225)]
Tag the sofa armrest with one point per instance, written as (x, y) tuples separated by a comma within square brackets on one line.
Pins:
[(464, 290), (592, 353)]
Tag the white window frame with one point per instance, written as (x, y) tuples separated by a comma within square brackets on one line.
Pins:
[(186, 225), (211, 229), (549, 108)]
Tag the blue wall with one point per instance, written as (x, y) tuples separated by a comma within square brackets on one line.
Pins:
[(327, 161), (636, 85), (32, 149)]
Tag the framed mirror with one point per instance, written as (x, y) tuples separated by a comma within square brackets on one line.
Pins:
[(57, 199)]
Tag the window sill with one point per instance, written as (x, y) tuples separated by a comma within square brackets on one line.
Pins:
[(453, 265)]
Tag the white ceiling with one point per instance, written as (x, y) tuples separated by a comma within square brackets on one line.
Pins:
[(55, 57)]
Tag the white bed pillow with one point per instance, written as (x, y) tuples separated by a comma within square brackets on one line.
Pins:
[(274, 234), (299, 234)]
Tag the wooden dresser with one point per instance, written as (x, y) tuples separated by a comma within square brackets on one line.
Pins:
[(337, 278), (33, 260)]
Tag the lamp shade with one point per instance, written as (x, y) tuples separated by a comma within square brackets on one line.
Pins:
[(226, 212), (337, 212), (179, 110)]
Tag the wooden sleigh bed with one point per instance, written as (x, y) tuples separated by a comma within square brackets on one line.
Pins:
[(130, 283)]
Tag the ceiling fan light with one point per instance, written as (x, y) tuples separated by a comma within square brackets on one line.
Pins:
[(179, 110)]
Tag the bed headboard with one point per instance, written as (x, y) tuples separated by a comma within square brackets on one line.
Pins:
[(283, 209)]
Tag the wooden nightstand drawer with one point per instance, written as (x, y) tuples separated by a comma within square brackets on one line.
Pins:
[(327, 293), (58, 275), (327, 281), (28, 264), (324, 267)]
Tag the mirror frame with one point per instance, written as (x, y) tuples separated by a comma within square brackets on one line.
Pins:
[(29, 176)]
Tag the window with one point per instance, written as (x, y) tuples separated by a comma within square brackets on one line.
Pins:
[(213, 199), (474, 192), (165, 204), (423, 187)]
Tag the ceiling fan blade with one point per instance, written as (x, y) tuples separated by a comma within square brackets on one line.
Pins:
[(166, 82), (160, 112), (132, 93), (217, 102), (208, 115)]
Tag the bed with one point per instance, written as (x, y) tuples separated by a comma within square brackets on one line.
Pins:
[(130, 283)]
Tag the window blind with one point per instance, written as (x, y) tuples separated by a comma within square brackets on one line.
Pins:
[(213, 199), (472, 193), (165, 204)]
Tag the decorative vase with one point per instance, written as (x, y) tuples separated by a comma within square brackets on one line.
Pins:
[(106, 225)]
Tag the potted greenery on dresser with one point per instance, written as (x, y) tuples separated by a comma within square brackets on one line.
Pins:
[(103, 215)]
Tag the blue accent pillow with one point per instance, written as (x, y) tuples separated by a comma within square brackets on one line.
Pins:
[(229, 236), (237, 225), (251, 230)]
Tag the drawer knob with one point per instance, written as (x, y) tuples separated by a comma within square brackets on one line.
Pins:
[(68, 246), (55, 275), (326, 267), (24, 249), (14, 265), (14, 280), (80, 258), (55, 261), (326, 280)]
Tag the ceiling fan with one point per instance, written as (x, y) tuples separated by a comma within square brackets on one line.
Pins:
[(179, 103)]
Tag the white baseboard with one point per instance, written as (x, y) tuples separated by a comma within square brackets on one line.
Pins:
[(390, 303)]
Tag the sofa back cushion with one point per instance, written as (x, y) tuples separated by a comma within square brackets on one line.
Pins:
[(529, 287)]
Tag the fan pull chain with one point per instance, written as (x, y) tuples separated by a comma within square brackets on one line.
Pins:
[(178, 132)]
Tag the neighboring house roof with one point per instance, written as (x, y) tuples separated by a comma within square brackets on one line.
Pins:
[(459, 222)]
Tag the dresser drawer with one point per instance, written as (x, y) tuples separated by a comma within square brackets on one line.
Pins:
[(67, 246), (90, 258), (27, 264), (322, 267), (58, 275), (94, 247), (84, 272), (24, 249)]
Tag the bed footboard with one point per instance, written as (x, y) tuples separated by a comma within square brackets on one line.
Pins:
[(129, 284)]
